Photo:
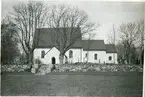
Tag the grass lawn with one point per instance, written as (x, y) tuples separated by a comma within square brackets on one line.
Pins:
[(73, 84)]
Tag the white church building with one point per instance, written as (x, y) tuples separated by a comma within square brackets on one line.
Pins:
[(94, 51)]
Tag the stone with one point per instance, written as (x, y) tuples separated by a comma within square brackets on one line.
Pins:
[(48, 70), (36, 66), (84, 70), (33, 70), (73, 70), (50, 65), (97, 69)]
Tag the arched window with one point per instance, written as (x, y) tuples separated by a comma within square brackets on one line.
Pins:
[(86, 55), (95, 56), (110, 58), (42, 54), (70, 54)]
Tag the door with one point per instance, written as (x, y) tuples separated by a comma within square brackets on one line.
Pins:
[(53, 60)]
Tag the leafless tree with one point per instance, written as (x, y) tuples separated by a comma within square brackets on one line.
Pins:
[(68, 18), (141, 38), (28, 17), (129, 33), (112, 36), (121, 53), (90, 37), (112, 39)]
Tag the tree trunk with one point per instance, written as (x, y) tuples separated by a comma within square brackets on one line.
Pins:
[(61, 58), (129, 53), (30, 58), (87, 56), (130, 59), (142, 57)]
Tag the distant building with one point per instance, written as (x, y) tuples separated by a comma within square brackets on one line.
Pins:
[(94, 51)]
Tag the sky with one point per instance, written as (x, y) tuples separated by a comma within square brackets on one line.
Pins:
[(104, 13)]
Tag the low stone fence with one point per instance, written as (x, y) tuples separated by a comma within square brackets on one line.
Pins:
[(97, 68), (80, 67), (14, 68)]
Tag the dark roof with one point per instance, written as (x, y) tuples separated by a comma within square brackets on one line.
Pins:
[(44, 37), (110, 48), (77, 44), (94, 45)]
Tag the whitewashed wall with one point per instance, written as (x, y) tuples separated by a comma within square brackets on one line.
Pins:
[(101, 55), (77, 55), (48, 57), (114, 58)]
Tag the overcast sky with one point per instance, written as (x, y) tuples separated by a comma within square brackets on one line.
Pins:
[(104, 13)]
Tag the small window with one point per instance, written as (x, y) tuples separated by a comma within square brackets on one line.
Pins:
[(42, 54), (70, 54), (86, 55), (110, 58), (95, 56)]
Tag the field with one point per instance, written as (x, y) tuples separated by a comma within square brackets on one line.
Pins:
[(100, 84)]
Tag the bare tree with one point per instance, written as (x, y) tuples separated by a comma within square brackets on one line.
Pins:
[(112, 36), (90, 37), (128, 34), (121, 53), (112, 39), (28, 17), (141, 39), (71, 20)]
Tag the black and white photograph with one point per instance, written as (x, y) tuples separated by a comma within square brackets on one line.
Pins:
[(72, 48)]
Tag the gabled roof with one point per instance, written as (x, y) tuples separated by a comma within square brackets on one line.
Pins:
[(77, 44), (110, 48), (97, 45), (44, 37)]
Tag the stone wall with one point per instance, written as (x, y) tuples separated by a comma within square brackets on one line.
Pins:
[(14, 68), (97, 68), (80, 67)]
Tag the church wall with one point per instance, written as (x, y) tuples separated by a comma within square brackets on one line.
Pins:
[(77, 55), (48, 57), (101, 56), (113, 59)]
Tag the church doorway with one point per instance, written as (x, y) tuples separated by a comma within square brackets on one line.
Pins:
[(53, 60)]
